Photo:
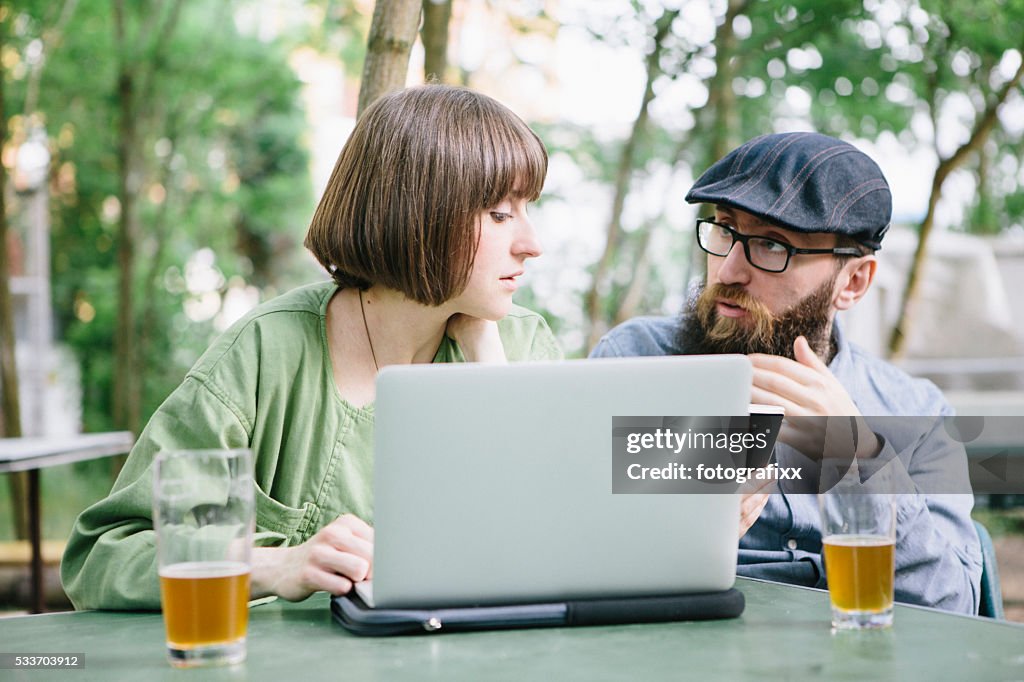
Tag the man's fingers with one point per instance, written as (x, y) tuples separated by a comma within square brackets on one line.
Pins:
[(805, 356), (750, 509), (785, 386), (754, 485), (752, 502), (775, 363), (765, 397), (803, 374)]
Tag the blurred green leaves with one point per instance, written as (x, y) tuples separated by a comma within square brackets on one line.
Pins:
[(223, 166)]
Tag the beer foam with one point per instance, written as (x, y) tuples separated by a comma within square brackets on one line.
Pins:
[(204, 569), (858, 540)]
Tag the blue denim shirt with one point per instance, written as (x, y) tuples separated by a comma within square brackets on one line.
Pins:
[(938, 556)]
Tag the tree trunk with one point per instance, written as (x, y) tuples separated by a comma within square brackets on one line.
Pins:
[(592, 303), (139, 67), (720, 116), (392, 34), (49, 38), (436, 16), (10, 407), (986, 220), (721, 96), (641, 276), (125, 412), (159, 232), (985, 123)]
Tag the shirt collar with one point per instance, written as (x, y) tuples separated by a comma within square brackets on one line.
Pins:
[(844, 356)]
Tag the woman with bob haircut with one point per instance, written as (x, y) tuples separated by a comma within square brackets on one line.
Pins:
[(424, 230)]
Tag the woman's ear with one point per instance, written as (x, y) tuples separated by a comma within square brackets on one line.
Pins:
[(854, 281)]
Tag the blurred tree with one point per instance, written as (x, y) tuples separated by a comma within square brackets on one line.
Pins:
[(392, 34), (10, 410), (627, 161), (140, 60), (744, 69), (217, 168), (338, 29), (853, 69), (964, 52), (10, 407), (437, 15)]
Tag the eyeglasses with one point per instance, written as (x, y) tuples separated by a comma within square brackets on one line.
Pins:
[(763, 253)]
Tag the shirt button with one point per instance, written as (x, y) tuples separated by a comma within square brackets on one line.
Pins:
[(791, 543)]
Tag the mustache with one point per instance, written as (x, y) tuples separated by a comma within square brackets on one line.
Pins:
[(703, 331), (762, 321)]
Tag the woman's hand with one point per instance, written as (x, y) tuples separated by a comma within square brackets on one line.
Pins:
[(339, 555), (478, 338)]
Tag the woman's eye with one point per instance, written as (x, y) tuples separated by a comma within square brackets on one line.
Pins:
[(499, 217)]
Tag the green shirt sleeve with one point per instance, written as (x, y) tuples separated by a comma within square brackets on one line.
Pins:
[(110, 560)]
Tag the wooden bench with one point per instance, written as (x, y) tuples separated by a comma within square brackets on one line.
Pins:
[(19, 552)]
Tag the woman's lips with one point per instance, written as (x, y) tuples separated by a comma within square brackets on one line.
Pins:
[(510, 282)]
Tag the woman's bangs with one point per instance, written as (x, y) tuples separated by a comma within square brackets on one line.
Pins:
[(520, 164)]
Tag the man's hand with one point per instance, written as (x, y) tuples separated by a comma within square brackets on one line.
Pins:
[(340, 554), (752, 503), (478, 339), (806, 388)]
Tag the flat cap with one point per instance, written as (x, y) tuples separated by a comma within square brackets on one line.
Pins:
[(804, 182)]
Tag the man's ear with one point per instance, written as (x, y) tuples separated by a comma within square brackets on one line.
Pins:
[(853, 281)]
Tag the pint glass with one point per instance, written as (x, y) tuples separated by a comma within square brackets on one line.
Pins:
[(858, 528), (203, 515)]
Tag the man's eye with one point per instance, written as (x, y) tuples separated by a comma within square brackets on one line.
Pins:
[(722, 230), (773, 247), (499, 217)]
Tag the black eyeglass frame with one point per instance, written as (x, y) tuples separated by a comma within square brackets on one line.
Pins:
[(790, 249)]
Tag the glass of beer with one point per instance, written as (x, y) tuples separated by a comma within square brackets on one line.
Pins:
[(203, 512), (858, 529)]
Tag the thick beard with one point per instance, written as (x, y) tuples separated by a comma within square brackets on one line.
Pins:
[(702, 331)]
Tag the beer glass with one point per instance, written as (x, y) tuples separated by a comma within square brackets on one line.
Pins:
[(858, 529), (203, 515)]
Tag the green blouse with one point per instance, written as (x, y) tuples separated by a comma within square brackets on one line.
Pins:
[(267, 383)]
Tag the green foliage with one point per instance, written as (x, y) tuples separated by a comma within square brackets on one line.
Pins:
[(221, 167), (67, 490), (862, 68), (1014, 206), (341, 31), (1000, 522)]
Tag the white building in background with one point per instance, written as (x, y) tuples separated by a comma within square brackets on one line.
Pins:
[(967, 332), (48, 376)]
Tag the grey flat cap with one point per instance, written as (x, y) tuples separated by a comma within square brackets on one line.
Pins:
[(804, 182)]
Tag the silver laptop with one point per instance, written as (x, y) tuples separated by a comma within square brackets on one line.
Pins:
[(493, 484)]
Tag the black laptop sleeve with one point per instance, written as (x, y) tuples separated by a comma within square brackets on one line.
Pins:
[(356, 617)]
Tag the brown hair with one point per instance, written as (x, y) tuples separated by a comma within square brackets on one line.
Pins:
[(401, 206)]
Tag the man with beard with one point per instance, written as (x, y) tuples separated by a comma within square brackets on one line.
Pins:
[(798, 217)]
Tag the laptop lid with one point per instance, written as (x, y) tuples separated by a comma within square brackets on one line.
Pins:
[(493, 484)]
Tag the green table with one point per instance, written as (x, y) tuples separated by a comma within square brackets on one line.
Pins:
[(784, 634)]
